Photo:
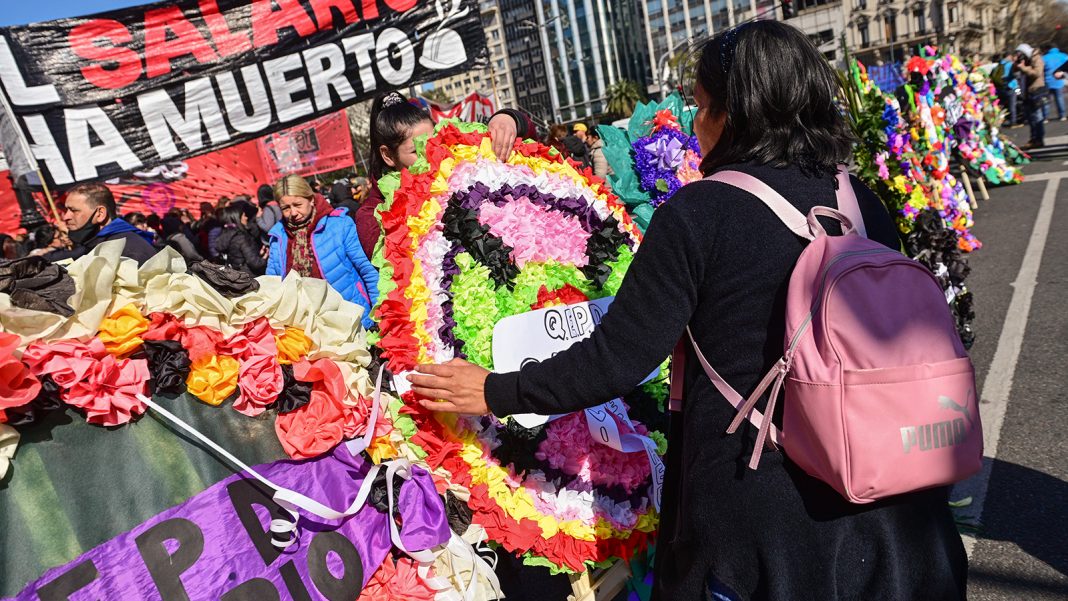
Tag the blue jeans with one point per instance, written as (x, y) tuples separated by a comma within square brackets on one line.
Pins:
[(1036, 109), (1008, 101), (1058, 100)]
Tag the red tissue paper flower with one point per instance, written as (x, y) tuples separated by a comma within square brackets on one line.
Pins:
[(917, 64), (665, 118), (318, 426), (260, 378), (17, 385), (91, 379)]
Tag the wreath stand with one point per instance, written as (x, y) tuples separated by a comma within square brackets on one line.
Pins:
[(603, 584)]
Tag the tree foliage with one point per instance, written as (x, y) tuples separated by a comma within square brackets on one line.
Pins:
[(623, 96)]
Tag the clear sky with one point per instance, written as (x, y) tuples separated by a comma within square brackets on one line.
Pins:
[(18, 12)]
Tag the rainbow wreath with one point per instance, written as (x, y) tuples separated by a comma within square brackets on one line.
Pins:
[(468, 241)]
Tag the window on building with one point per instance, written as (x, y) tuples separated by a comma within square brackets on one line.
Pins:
[(862, 4), (890, 22), (954, 13), (865, 35), (921, 21), (496, 34)]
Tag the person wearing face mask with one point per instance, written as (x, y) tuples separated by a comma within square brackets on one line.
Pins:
[(319, 241), (92, 218)]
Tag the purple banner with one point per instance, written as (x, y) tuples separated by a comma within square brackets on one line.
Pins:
[(217, 545)]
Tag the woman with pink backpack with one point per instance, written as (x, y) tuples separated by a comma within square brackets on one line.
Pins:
[(778, 273)]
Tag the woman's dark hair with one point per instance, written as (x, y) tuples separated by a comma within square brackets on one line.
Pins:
[(264, 195), (153, 221), (231, 214), (44, 235), (136, 219), (172, 224), (779, 95), (392, 119), (8, 243)]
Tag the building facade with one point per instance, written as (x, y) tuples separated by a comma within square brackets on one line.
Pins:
[(888, 31), (496, 79), (527, 59), (581, 54), (671, 27), (567, 54)]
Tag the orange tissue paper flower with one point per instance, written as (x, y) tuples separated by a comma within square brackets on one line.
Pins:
[(213, 378), (397, 581)]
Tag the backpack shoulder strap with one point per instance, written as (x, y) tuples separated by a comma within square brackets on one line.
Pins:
[(786, 212), (678, 368), (847, 201)]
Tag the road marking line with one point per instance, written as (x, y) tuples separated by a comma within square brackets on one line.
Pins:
[(1045, 177), (997, 387)]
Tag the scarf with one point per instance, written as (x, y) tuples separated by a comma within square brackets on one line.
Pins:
[(300, 253)]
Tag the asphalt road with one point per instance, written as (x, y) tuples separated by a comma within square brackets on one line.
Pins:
[(1020, 282)]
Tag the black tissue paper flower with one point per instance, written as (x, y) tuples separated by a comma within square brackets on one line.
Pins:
[(295, 394), (168, 364), (46, 401)]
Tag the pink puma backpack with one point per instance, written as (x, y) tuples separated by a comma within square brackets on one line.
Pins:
[(880, 393)]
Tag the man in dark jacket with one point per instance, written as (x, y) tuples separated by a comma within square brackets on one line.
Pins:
[(576, 145), (91, 218)]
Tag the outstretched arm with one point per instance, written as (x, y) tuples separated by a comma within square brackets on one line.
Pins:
[(640, 329)]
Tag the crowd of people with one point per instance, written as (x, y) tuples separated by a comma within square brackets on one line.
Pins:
[(1029, 80), (582, 145)]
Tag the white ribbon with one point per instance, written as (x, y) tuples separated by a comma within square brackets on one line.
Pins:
[(293, 501)]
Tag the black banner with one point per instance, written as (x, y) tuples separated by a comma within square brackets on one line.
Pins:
[(131, 89)]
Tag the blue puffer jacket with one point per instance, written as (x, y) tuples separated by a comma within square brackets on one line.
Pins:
[(341, 259)]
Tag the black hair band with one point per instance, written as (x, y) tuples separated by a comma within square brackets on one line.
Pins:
[(728, 46)]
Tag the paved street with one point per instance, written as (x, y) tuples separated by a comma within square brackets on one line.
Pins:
[(1020, 281)]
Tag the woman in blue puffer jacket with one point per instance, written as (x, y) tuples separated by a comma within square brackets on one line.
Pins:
[(318, 241)]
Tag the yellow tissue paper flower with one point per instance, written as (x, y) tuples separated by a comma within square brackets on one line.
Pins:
[(213, 379), (121, 333), (293, 345)]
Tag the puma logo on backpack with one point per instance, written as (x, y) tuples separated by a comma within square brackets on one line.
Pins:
[(879, 391)]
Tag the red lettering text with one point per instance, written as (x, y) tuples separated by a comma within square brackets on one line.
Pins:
[(101, 40), (370, 10), (401, 5), (267, 21), (160, 51), (226, 42), (325, 17)]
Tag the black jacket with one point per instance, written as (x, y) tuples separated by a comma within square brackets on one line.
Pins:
[(580, 153), (341, 196), (137, 247), (237, 248), (717, 260)]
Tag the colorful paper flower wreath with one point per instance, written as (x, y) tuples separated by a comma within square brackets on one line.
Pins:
[(469, 241)]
